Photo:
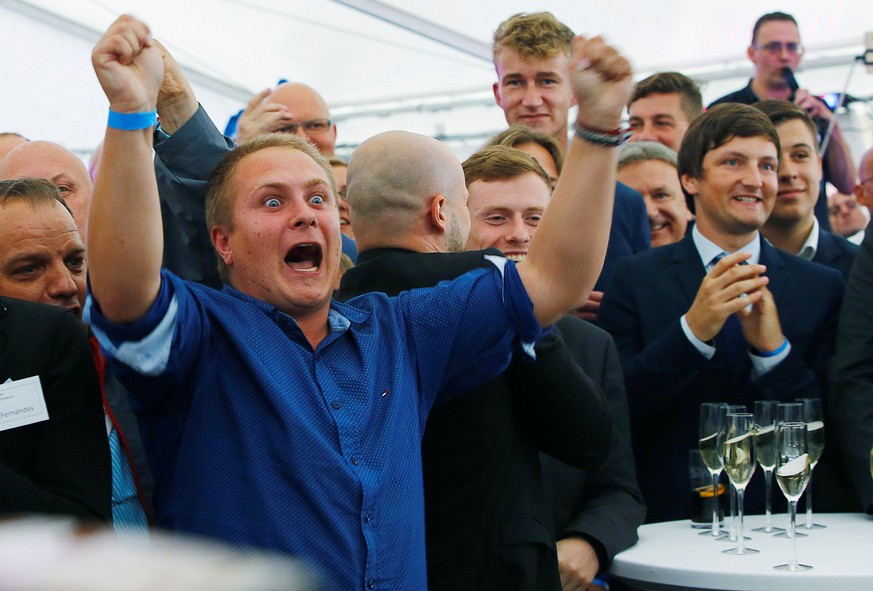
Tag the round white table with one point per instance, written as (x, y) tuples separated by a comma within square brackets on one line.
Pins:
[(673, 556)]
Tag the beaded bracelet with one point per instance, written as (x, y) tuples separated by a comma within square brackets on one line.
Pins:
[(611, 138)]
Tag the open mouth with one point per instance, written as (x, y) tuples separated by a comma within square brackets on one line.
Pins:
[(305, 258), (657, 227), (747, 199), (516, 257)]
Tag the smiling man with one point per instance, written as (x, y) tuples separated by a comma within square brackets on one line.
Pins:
[(320, 405), (720, 315), (596, 513), (531, 55), (776, 52), (662, 107), (792, 226), (650, 168)]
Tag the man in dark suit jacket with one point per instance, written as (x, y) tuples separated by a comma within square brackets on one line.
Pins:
[(60, 465), (597, 512), (792, 225), (720, 315), (487, 518), (851, 379)]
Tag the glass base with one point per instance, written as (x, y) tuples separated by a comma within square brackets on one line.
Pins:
[(708, 532), (793, 568), (813, 526), (773, 529), (738, 553), (727, 538), (784, 534)]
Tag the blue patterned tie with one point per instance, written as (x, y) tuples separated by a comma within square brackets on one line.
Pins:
[(730, 341), (128, 516)]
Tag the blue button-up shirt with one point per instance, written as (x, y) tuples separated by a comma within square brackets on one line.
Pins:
[(257, 439)]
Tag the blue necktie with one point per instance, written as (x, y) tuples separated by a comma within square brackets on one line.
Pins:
[(128, 516), (730, 341)]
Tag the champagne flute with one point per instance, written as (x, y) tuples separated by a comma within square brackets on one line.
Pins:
[(788, 412), (732, 531), (815, 433), (792, 476), (765, 450), (739, 465), (712, 424)]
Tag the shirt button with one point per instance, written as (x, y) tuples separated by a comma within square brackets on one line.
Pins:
[(371, 584), (354, 461), (336, 404), (368, 518)]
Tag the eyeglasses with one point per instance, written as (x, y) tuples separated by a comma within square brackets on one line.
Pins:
[(309, 126), (776, 47)]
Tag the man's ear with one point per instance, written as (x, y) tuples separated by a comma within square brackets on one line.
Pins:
[(436, 213), (861, 196), (750, 52), (221, 241), (689, 183)]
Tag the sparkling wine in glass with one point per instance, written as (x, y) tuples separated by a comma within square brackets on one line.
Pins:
[(712, 429), (732, 500), (815, 434), (765, 450), (788, 412), (793, 468), (739, 465)]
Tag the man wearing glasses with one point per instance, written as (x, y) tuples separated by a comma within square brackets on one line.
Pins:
[(291, 107), (775, 47)]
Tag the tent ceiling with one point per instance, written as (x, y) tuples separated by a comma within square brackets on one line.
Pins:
[(234, 48)]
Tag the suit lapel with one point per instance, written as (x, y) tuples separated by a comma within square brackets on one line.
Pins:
[(775, 263), (827, 250), (688, 268)]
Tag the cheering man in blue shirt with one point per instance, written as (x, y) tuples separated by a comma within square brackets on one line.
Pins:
[(275, 417)]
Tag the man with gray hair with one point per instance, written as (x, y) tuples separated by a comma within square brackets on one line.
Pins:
[(650, 168)]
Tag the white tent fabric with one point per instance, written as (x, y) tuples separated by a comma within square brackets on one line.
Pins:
[(377, 75)]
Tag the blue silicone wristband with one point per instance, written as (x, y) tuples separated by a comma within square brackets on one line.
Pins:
[(131, 121), (774, 353)]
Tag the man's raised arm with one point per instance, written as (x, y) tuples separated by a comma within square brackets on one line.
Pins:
[(566, 256), (124, 248)]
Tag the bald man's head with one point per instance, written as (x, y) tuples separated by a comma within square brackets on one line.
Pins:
[(405, 186), (8, 141), (306, 105), (47, 160)]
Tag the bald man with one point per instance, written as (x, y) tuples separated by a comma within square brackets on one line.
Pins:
[(411, 219), (47, 160), (8, 141), (292, 107)]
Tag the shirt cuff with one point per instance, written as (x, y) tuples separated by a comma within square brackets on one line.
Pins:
[(706, 350), (761, 365)]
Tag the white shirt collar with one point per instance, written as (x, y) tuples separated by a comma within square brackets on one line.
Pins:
[(708, 250), (810, 245)]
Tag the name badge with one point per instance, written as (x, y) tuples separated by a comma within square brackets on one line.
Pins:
[(21, 403)]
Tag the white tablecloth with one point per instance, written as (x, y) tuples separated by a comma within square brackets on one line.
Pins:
[(673, 556)]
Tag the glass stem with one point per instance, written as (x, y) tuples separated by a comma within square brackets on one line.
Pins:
[(792, 517), (768, 506), (733, 528), (715, 529), (809, 502), (740, 537)]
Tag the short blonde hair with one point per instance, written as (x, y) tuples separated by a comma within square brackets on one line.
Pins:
[(220, 196), (535, 35), (500, 163)]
